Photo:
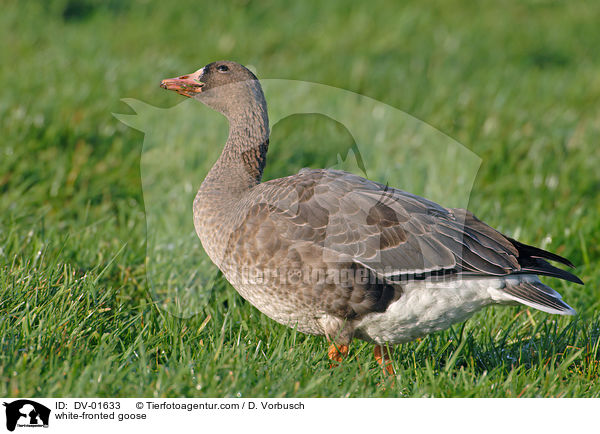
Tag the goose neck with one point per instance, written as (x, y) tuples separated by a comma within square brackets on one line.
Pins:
[(241, 164)]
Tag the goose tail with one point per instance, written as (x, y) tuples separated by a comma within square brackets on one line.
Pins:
[(535, 294)]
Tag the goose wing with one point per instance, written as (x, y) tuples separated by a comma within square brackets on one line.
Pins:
[(395, 234)]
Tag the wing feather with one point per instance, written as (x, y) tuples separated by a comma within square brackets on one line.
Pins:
[(392, 232)]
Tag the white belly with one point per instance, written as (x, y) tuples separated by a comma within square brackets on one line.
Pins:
[(427, 307)]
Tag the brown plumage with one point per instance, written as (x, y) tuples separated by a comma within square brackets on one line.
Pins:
[(334, 254)]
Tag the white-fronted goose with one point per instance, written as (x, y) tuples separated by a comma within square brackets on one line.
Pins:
[(334, 254)]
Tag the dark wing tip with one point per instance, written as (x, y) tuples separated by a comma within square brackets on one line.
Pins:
[(534, 260), (535, 252), (544, 268)]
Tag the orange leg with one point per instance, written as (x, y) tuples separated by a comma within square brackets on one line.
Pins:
[(337, 353), (382, 355)]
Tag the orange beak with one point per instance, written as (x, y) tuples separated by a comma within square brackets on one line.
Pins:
[(186, 85)]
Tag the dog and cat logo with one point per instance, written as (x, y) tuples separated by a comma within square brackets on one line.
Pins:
[(26, 413)]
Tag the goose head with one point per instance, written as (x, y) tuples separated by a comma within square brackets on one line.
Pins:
[(225, 86)]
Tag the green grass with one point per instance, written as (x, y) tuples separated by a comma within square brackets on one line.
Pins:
[(516, 83)]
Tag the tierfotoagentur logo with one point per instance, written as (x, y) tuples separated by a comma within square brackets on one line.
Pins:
[(25, 413)]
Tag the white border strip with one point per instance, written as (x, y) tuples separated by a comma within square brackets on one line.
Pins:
[(270, 415)]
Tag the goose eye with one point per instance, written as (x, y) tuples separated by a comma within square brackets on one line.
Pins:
[(222, 68)]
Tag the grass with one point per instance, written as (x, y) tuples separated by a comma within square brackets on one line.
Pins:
[(515, 82)]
